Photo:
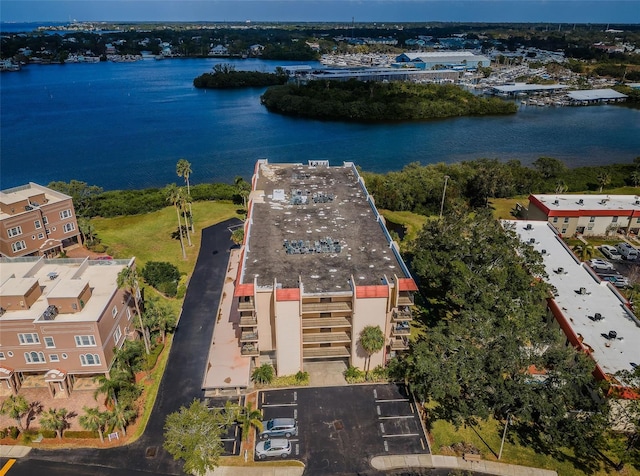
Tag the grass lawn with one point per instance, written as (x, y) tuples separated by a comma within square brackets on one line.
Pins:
[(502, 207), (489, 434), (412, 222), (148, 236)]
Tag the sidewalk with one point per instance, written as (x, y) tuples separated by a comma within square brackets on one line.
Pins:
[(14, 451)]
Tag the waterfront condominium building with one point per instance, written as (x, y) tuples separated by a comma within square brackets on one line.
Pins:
[(318, 265), (587, 214), (60, 320), (36, 221)]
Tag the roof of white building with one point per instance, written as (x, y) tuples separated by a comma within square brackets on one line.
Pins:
[(584, 202), (445, 56), (595, 94), (524, 87), (568, 276)]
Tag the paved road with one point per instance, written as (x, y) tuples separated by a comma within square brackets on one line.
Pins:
[(180, 385)]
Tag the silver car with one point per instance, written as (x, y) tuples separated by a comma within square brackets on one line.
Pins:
[(286, 427), (276, 447)]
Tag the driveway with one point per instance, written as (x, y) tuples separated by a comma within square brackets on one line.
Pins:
[(180, 385)]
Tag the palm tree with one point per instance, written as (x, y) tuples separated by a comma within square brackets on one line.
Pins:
[(173, 196), (243, 189), (16, 406), (635, 178), (128, 279), (94, 420), (113, 385), (183, 169), (56, 420), (184, 200), (121, 416), (263, 374), (584, 251), (248, 418), (604, 178), (372, 341)]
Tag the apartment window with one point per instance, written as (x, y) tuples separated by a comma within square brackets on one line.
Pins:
[(40, 236), (45, 220), (128, 314), (15, 231), (564, 230), (34, 357), (49, 342), (116, 335), (2, 357), (18, 246), (614, 220), (566, 219), (555, 219), (114, 312), (637, 220), (89, 359), (592, 220), (65, 214), (26, 339), (85, 341), (54, 358), (68, 227), (38, 224)]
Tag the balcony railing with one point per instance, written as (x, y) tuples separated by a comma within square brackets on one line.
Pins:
[(249, 349), (246, 305), (401, 329), (399, 343), (325, 338), (249, 336), (325, 352), (340, 306), (248, 321), (402, 314), (405, 300), (325, 322)]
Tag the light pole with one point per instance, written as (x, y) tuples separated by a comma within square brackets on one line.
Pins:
[(444, 191), (504, 433)]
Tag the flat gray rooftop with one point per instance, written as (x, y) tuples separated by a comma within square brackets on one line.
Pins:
[(524, 87), (359, 248), (595, 94)]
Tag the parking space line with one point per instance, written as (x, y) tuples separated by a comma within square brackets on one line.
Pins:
[(386, 446), (381, 427), (400, 435), (378, 410), (295, 413), (375, 394), (422, 443), (297, 450), (393, 400), (227, 439), (280, 405), (295, 396), (395, 417), (411, 407)]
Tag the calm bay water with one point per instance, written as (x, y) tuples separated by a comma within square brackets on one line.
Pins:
[(125, 125)]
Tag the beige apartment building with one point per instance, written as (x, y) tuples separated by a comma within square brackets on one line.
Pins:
[(318, 265), (596, 215), (60, 320), (36, 221)]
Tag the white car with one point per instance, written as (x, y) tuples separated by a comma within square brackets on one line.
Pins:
[(611, 252), (275, 447), (599, 264)]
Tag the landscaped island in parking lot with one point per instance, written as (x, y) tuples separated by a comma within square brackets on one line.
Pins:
[(360, 101)]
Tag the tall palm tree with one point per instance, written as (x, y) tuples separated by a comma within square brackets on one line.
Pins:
[(121, 416), (111, 386), (584, 251), (15, 406), (243, 188), (372, 341), (604, 178), (172, 193), (56, 420), (128, 279), (183, 169), (248, 418), (184, 201), (94, 420)]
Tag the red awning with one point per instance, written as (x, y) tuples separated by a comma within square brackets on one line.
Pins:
[(288, 294), (407, 284)]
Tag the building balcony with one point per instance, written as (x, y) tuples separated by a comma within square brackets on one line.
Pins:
[(249, 336), (248, 321), (399, 343), (326, 307), (325, 352), (325, 322), (402, 314), (401, 329), (250, 350), (246, 306), (405, 300), (326, 338)]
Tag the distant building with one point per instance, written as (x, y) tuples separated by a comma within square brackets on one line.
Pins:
[(443, 60), (587, 214), (593, 315), (318, 265), (219, 50), (36, 220), (60, 321)]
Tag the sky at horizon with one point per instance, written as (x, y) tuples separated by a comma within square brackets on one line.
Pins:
[(494, 11)]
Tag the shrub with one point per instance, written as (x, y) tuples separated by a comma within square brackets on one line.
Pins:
[(302, 378), (13, 432), (49, 433), (3, 433), (379, 374), (162, 274), (263, 374), (181, 291), (354, 375), (168, 288), (152, 358), (80, 434), (98, 248)]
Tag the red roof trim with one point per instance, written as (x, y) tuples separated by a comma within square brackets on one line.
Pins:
[(407, 284), (372, 292), (288, 294)]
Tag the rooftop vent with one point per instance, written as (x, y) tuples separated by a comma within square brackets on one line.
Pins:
[(597, 316), (613, 334), (556, 202), (559, 270), (581, 202), (528, 227), (532, 241), (583, 290), (637, 202)]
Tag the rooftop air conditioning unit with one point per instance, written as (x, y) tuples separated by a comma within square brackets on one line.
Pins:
[(528, 227), (597, 316), (560, 270), (583, 290), (613, 334), (532, 240), (637, 202), (544, 252), (556, 202), (581, 202)]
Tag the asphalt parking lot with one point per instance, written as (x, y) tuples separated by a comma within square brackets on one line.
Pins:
[(232, 438), (341, 428)]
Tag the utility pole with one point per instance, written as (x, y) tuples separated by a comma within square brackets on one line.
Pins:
[(444, 191), (504, 433)]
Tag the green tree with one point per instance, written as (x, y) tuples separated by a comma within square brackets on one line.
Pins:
[(114, 385), (183, 169), (635, 178), (237, 236), (371, 340), (263, 374), (604, 179), (160, 317), (194, 435), (243, 189), (16, 407), (248, 418), (128, 279), (94, 420), (584, 251), (82, 194), (549, 167), (87, 230), (121, 415), (56, 420), (174, 196)]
